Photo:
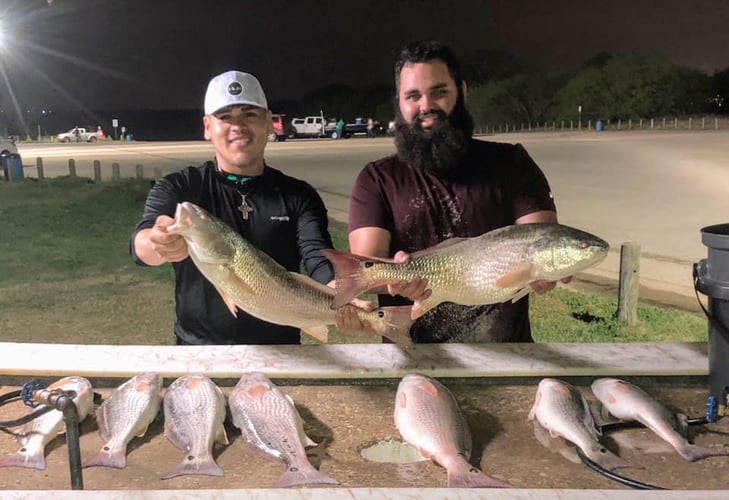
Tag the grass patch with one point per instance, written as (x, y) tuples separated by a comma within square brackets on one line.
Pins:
[(66, 277)]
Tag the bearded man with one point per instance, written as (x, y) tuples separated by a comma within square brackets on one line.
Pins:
[(442, 184)]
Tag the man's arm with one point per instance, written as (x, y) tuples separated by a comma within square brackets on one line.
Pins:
[(548, 216)]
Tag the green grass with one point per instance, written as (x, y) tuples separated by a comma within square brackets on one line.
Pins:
[(65, 270)]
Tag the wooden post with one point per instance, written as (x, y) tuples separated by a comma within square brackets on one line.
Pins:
[(690, 119), (703, 122), (97, 171), (629, 282), (72, 167), (39, 167), (115, 175), (140, 171), (716, 123)]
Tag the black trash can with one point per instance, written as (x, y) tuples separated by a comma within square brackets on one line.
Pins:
[(711, 277), (12, 166)]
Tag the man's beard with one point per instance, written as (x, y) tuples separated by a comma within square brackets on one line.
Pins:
[(439, 149)]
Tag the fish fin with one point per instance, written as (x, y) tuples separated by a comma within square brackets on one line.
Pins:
[(516, 277), (25, 460), (222, 436), (116, 459), (320, 333), (693, 452), (187, 467), (303, 474), (682, 423), (398, 324), (229, 303), (464, 475), (521, 293), (308, 442), (533, 411), (142, 431), (306, 280), (556, 445), (421, 307), (348, 275), (607, 459)]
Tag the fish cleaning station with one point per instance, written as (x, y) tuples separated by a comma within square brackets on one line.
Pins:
[(347, 396)]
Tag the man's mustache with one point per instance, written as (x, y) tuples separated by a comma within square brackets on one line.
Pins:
[(420, 116)]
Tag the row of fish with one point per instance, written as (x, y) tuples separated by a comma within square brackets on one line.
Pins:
[(563, 411), (426, 415), (495, 267)]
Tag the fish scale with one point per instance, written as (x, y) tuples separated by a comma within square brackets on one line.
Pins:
[(250, 279)]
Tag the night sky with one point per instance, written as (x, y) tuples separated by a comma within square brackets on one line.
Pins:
[(159, 54)]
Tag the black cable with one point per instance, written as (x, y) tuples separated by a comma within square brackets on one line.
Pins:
[(615, 477)]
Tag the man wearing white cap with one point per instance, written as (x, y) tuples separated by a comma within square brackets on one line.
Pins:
[(283, 216)]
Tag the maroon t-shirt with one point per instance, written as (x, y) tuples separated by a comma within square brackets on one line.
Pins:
[(496, 184)]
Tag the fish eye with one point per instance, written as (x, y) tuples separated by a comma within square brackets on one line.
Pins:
[(380, 314), (584, 245), (369, 263)]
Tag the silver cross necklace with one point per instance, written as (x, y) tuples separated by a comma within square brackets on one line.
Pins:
[(244, 208)]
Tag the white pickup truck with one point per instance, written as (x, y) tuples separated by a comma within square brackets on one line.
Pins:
[(310, 126), (78, 134)]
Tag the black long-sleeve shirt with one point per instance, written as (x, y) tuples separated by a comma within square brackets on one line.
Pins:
[(288, 221)]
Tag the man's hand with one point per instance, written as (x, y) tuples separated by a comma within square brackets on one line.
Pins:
[(415, 289), (348, 321), (170, 247), (542, 286)]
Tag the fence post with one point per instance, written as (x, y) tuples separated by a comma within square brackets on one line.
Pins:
[(140, 171), (716, 123), (39, 167), (640, 126), (630, 124), (115, 175), (72, 167), (675, 123), (690, 122), (619, 122), (97, 171), (651, 122), (703, 122), (664, 123), (629, 283), (589, 124)]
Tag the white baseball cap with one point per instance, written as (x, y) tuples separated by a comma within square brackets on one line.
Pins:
[(231, 88)]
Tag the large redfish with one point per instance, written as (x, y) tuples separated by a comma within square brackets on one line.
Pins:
[(494, 267), (250, 279), (429, 418)]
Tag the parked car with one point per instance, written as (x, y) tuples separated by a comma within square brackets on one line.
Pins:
[(310, 126), (79, 134), (7, 146), (281, 129)]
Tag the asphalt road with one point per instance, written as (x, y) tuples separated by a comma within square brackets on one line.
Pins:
[(657, 189)]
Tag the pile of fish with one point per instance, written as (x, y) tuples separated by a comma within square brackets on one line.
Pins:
[(563, 411), (195, 410), (497, 266)]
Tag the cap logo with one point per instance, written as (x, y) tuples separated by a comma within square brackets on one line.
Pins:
[(235, 88)]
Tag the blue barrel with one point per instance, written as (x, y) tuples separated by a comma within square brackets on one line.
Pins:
[(12, 166), (598, 126)]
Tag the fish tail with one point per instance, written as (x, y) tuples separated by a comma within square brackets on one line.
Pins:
[(465, 475), (297, 475), (607, 459), (25, 460), (348, 275), (206, 467), (116, 459), (398, 325), (692, 452)]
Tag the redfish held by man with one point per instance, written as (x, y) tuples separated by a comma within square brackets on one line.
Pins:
[(488, 269), (428, 417), (251, 280), (629, 402)]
